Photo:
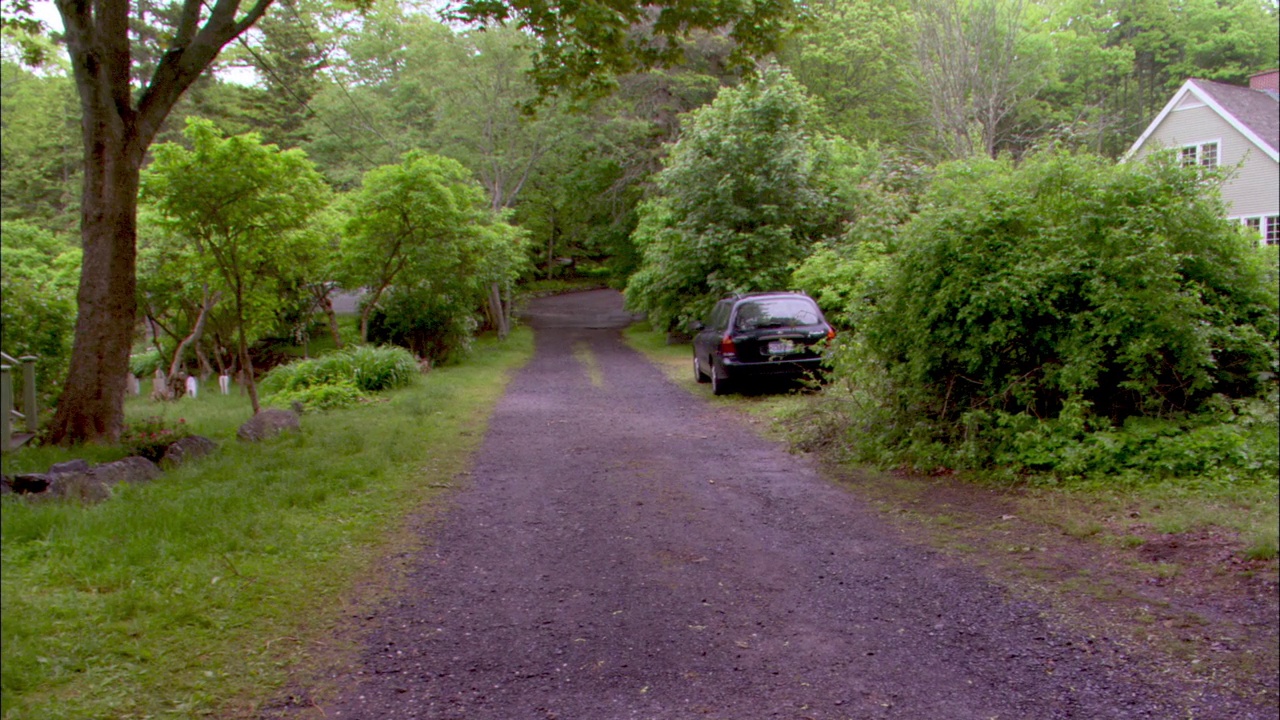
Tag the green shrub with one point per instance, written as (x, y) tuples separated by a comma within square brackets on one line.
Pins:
[(433, 325), (1066, 316), (151, 436), (39, 273), (382, 368), (145, 364), (365, 368), (320, 397)]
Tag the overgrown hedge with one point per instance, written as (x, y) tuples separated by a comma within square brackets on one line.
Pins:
[(1065, 315)]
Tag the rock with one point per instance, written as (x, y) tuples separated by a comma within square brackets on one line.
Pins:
[(78, 486), (267, 424), (131, 470), (95, 484), (187, 448), (29, 483), (70, 466)]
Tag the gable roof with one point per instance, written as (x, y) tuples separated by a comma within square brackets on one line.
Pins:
[(1255, 114)]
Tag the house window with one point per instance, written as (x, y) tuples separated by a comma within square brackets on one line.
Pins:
[(1202, 154), (1266, 227)]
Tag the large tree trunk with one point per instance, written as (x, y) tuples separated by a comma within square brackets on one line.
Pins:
[(117, 126), (92, 401)]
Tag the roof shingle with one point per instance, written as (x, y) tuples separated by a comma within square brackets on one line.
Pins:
[(1258, 111)]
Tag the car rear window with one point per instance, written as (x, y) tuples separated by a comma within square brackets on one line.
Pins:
[(776, 312)]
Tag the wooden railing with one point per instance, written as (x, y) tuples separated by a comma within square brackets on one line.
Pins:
[(30, 414)]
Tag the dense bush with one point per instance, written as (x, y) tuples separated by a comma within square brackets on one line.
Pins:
[(1037, 316), (39, 273), (320, 397), (367, 369), (848, 274), (431, 324)]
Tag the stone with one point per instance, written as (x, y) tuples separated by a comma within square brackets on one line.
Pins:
[(185, 449), (70, 466), (79, 486), (29, 483), (95, 484), (268, 424), (133, 469)]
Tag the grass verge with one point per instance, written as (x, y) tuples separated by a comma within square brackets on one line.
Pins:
[(197, 595)]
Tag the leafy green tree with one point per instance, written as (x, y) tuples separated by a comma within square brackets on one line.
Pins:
[(378, 95), (423, 222), (243, 205), (1113, 66), (851, 57), (38, 273), (40, 153), (585, 44), (433, 312), (743, 196), (123, 110)]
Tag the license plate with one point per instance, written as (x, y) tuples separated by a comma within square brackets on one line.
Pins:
[(781, 347)]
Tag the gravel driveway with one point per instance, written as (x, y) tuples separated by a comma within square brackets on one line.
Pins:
[(624, 549)]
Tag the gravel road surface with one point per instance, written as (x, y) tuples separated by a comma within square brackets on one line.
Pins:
[(623, 549)]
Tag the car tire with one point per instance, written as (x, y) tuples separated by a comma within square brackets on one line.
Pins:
[(698, 375), (719, 383)]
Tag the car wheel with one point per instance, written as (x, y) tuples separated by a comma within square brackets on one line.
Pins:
[(697, 371), (719, 382)]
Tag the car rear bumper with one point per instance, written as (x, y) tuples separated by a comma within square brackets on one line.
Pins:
[(735, 369)]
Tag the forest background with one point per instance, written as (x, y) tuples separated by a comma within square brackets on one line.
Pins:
[(834, 141)]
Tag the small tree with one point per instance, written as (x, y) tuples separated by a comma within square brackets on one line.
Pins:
[(243, 205), (422, 220), (742, 197)]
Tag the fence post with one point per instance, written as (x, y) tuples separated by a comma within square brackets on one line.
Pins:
[(6, 409), (29, 393)]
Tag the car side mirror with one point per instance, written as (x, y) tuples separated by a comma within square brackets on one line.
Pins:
[(697, 326)]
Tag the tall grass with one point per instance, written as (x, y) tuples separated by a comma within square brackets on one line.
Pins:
[(197, 594)]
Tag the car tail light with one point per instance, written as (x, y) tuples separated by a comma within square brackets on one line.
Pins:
[(727, 347), (831, 333)]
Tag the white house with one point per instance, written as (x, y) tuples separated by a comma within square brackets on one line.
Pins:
[(1214, 124)]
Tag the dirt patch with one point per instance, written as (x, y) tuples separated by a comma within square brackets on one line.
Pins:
[(1189, 607)]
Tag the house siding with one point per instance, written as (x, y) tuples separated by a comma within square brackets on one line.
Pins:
[(1252, 188)]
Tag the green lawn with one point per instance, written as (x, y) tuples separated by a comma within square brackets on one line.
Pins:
[(199, 594)]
